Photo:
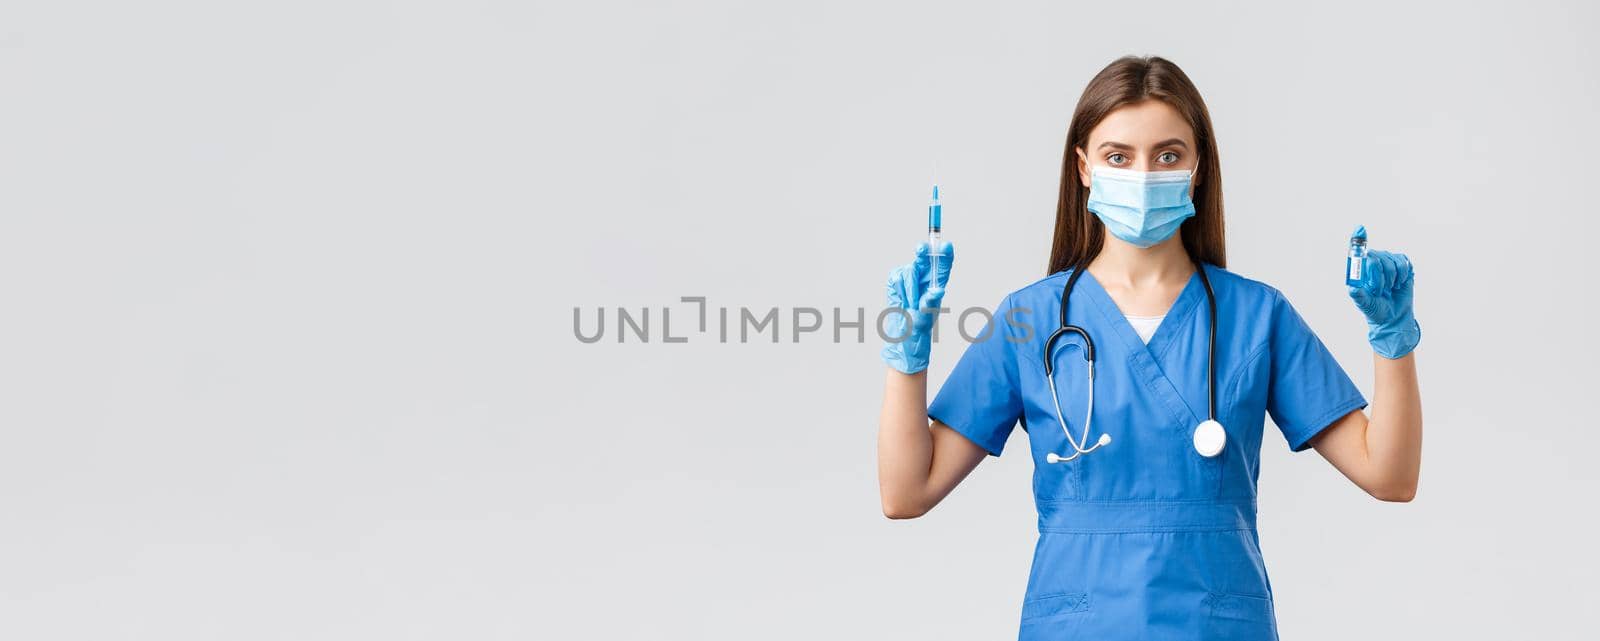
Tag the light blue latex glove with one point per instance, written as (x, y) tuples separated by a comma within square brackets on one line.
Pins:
[(1385, 298), (914, 288)]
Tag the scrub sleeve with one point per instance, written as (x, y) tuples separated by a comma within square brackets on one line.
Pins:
[(982, 398), (1307, 390)]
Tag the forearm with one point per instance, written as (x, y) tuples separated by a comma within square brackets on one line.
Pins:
[(1394, 432), (905, 445)]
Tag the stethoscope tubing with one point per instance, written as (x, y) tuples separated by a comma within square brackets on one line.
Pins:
[(1064, 328)]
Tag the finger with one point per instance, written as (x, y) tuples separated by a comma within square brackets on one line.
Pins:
[(1376, 266), (1364, 299), (1398, 266), (895, 291), (1359, 293), (931, 299), (1379, 268), (928, 308), (1403, 271), (946, 261), (910, 288), (914, 287), (894, 326), (920, 264)]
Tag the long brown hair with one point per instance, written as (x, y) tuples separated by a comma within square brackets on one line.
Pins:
[(1131, 79)]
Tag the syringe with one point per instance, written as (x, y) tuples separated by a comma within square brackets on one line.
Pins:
[(935, 248)]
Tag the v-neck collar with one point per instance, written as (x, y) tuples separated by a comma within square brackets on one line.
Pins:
[(1145, 359), (1176, 317)]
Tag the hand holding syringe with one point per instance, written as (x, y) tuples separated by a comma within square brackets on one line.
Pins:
[(916, 290)]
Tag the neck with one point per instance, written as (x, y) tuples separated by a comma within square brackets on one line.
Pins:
[(1122, 265)]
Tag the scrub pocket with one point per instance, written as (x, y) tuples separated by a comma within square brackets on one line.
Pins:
[(1051, 606), (1238, 617)]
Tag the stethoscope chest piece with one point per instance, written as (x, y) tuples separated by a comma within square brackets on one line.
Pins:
[(1209, 438)]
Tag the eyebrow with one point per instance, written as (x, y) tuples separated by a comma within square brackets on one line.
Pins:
[(1170, 142)]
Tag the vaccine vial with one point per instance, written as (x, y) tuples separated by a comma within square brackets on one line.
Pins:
[(1355, 262)]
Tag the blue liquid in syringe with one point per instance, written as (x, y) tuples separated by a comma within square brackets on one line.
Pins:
[(935, 222)]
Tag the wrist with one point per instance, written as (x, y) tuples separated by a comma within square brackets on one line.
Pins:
[(904, 356), (1395, 339)]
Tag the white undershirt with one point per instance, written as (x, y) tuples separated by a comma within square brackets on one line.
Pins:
[(1145, 325)]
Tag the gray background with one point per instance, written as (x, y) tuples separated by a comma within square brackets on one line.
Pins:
[(287, 346)]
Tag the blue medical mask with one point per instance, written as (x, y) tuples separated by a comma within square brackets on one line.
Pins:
[(1142, 208)]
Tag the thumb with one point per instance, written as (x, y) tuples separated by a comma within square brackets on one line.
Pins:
[(1380, 273), (931, 300), (1364, 300)]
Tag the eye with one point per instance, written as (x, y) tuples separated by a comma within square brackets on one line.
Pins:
[(1117, 159), (1167, 158)]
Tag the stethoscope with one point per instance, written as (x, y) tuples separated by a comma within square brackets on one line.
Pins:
[(1209, 437)]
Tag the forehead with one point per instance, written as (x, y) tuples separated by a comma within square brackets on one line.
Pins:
[(1142, 124)]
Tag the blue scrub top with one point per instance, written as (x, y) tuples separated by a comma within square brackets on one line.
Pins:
[(1146, 538)]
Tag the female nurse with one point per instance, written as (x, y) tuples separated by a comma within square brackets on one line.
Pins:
[(1147, 516)]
